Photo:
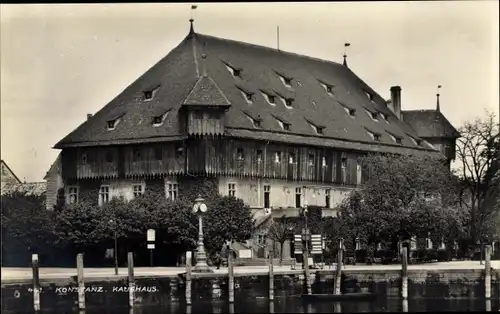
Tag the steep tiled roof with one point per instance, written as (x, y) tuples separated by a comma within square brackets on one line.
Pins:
[(305, 90), (206, 93), (30, 188), (430, 123)]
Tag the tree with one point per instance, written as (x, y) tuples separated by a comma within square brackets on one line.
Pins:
[(405, 196), (280, 230), (477, 155), (227, 218)]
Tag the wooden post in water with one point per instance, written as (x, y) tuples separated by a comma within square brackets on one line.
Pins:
[(405, 306), (338, 273), (306, 269), (488, 305), (131, 280), (36, 282), (487, 272), (271, 279), (189, 257), (230, 273), (271, 307), (81, 283), (231, 308), (404, 273)]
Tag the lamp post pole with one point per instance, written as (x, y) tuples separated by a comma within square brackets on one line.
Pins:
[(201, 258), (115, 253)]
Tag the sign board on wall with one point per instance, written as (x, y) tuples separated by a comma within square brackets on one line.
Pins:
[(245, 253)]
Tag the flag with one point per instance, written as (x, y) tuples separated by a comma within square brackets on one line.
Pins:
[(347, 44), (193, 7)]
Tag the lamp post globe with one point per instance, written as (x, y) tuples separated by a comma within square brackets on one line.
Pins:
[(200, 208)]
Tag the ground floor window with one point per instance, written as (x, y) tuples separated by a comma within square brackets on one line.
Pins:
[(103, 195), (172, 190), (72, 195)]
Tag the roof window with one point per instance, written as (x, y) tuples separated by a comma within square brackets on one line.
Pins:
[(373, 135), (247, 95), (158, 120), (328, 88), (317, 128), (111, 124), (415, 141), (350, 111), (271, 99), (150, 93), (395, 138), (285, 80), (288, 102), (284, 125), (373, 115), (256, 122), (234, 71), (369, 95)]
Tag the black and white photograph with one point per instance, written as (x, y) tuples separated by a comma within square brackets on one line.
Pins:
[(258, 157)]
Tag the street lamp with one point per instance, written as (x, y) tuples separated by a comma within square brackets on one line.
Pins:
[(115, 253), (201, 258)]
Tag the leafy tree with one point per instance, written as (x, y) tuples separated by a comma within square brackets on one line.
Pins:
[(227, 218), (477, 155), (280, 231), (404, 196)]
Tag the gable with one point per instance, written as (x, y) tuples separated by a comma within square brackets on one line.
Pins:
[(7, 175)]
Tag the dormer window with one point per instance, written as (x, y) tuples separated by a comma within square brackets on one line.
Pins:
[(271, 99), (415, 141), (247, 95), (286, 126), (385, 117), (112, 124), (395, 138), (350, 111), (320, 130), (373, 135), (285, 80), (277, 157), (291, 158), (369, 95), (239, 154), (150, 93), (234, 72), (373, 115), (256, 123), (288, 102), (328, 88), (158, 120)]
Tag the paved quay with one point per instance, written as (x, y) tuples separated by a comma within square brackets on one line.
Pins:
[(10, 274)]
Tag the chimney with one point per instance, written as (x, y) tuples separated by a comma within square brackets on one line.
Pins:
[(395, 105), (89, 115)]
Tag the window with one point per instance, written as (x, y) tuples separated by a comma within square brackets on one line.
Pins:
[(231, 189), (311, 160), (256, 123), (352, 112), (136, 154), (323, 161), (291, 158), (277, 157), (172, 189), (271, 99), (288, 102), (157, 120), (376, 137), (385, 117), (198, 115), (148, 95), (239, 154), (358, 173), (179, 151), (343, 166), (158, 153), (372, 115), (234, 72), (328, 88), (138, 190), (72, 195), (358, 244), (287, 82), (327, 198), (259, 155), (286, 126), (103, 195), (319, 129), (111, 124), (84, 158), (428, 243), (247, 95), (267, 196), (298, 197)]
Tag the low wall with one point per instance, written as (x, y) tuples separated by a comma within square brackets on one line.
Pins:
[(18, 297)]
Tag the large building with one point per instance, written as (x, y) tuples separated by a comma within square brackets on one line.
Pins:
[(273, 128)]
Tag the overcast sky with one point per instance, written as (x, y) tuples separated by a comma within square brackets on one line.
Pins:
[(60, 62)]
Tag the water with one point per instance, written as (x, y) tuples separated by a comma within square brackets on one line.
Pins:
[(295, 305)]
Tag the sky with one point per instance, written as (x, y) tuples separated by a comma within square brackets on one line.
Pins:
[(60, 62)]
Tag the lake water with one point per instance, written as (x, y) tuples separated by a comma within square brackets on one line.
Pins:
[(295, 305)]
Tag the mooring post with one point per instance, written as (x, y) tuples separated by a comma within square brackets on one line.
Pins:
[(487, 272), (81, 283), (404, 273), (271, 279), (131, 280), (306, 269), (230, 273), (36, 282), (338, 274), (405, 306), (231, 308), (189, 257)]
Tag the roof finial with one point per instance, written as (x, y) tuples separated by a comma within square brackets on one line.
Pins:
[(191, 20), (437, 99), (345, 53), (204, 64)]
